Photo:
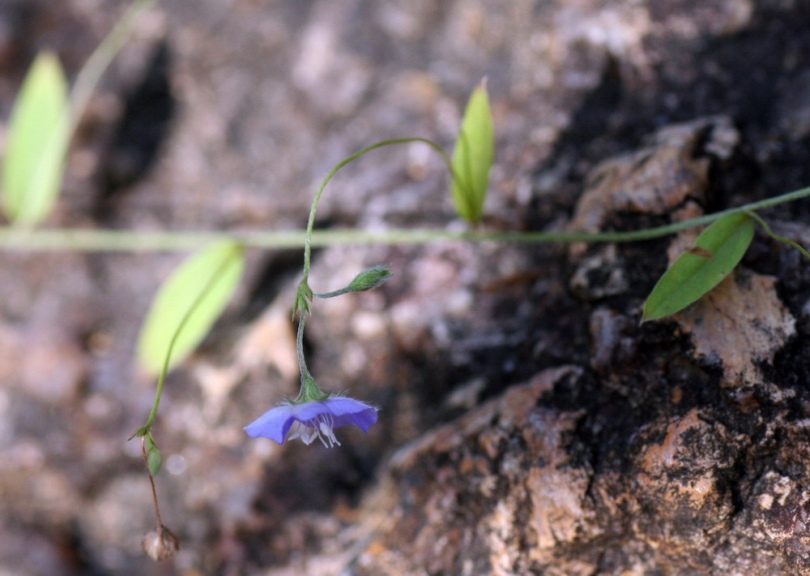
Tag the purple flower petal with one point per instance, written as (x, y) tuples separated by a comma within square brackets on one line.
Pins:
[(273, 424), (350, 411)]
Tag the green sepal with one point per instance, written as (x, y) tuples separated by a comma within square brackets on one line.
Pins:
[(142, 431), (303, 299)]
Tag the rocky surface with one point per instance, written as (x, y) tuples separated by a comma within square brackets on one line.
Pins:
[(528, 424)]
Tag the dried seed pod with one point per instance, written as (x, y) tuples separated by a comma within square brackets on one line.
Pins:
[(161, 544)]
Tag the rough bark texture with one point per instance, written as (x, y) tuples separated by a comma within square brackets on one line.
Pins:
[(528, 424)]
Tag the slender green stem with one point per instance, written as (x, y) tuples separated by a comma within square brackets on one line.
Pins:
[(333, 294), (777, 237), (145, 453), (302, 362), (212, 281), (352, 158), (88, 240), (309, 391), (100, 59), (309, 388)]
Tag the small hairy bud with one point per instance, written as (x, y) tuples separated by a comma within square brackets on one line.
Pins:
[(161, 544), (368, 279)]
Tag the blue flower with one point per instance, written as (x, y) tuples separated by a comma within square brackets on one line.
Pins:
[(310, 420)]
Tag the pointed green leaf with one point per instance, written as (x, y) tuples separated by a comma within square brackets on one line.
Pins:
[(717, 251), (38, 136), (188, 304), (473, 157)]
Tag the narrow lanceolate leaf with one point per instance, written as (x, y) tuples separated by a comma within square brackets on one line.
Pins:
[(473, 157), (717, 251), (37, 142), (188, 304)]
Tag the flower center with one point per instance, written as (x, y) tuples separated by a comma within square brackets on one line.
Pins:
[(320, 427)]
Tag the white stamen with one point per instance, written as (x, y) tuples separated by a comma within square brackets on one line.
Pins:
[(319, 427), (325, 426)]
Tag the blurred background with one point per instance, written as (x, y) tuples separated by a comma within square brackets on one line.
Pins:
[(225, 115)]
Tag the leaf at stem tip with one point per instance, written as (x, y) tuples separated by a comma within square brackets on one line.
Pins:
[(717, 251), (190, 301), (473, 156), (37, 142)]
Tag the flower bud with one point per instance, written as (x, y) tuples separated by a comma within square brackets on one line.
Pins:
[(151, 454), (154, 460), (161, 544), (368, 279)]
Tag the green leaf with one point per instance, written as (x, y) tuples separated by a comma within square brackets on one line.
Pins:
[(188, 304), (38, 137), (473, 157), (717, 251)]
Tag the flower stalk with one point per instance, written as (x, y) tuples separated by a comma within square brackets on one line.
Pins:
[(161, 543)]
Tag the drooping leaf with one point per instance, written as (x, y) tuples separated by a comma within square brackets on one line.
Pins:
[(189, 301), (473, 156), (717, 251), (38, 136)]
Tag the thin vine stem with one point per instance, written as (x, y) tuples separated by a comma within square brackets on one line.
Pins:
[(778, 237), (348, 160), (99, 61), (299, 340), (89, 240), (152, 484), (212, 281), (332, 294)]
